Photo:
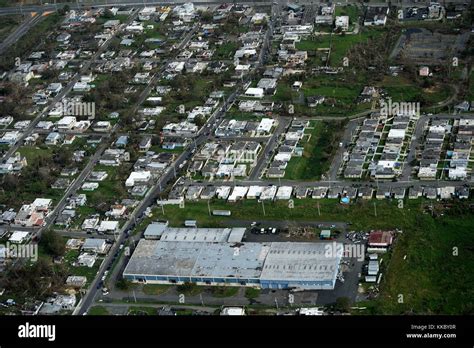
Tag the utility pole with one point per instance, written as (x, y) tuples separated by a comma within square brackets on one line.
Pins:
[(375, 209), (209, 207), (162, 208), (319, 211), (263, 207)]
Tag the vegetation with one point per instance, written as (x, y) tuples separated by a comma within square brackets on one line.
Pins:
[(27, 42), (37, 280), (52, 243), (252, 293), (321, 144), (98, 310), (224, 291)]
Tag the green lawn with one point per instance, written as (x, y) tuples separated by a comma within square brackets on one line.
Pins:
[(319, 147), (432, 280), (252, 293), (350, 10), (224, 291), (155, 289), (142, 310), (98, 310), (341, 94), (339, 44), (361, 213), (400, 88), (88, 272), (226, 50)]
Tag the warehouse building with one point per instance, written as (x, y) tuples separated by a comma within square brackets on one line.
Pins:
[(277, 265)]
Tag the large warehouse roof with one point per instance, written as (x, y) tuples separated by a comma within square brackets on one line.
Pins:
[(301, 261), (265, 261), (197, 259)]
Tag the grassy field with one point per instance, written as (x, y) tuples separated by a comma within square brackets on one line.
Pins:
[(142, 310), (98, 310), (351, 11), (340, 91), (400, 88), (317, 154), (360, 213), (339, 44), (226, 50), (155, 289), (433, 279)]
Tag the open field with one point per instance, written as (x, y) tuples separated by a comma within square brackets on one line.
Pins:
[(339, 44), (400, 88), (318, 150)]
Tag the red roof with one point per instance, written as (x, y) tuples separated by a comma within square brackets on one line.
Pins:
[(380, 238)]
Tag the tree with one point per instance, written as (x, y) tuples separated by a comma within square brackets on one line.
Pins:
[(65, 9), (123, 284), (53, 243), (108, 14), (200, 121), (343, 304)]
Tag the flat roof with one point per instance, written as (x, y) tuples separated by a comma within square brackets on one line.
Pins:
[(184, 234), (301, 261), (197, 259), (278, 261)]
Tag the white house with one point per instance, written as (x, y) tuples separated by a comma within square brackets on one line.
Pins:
[(254, 92)]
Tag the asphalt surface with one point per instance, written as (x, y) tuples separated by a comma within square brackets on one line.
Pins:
[(21, 30)]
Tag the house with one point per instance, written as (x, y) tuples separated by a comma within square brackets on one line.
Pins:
[(117, 211), (53, 138), (19, 237), (255, 92), (10, 138), (296, 86), (380, 239), (342, 23), (86, 260), (76, 281), (145, 144), (108, 227), (94, 245), (138, 177), (102, 126), (376, 16), (81, 87), (314, 101), (122, 141), (424, 71)]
